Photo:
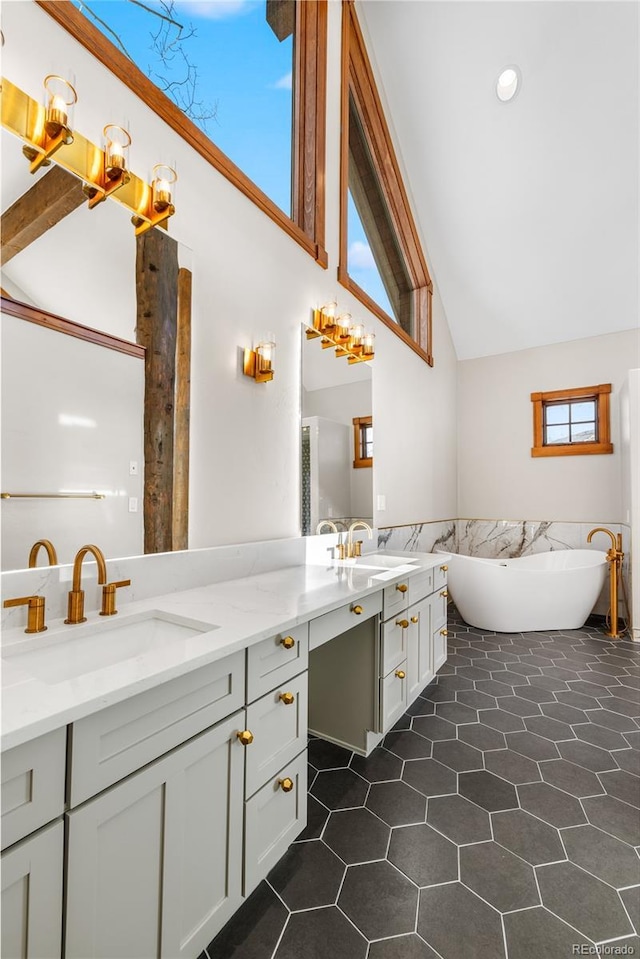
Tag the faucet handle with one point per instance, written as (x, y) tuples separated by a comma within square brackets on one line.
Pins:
[(109, 597), (35, 615), (357, 548)]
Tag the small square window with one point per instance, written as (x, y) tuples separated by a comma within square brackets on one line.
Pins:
[(362, 442), (570, 422)]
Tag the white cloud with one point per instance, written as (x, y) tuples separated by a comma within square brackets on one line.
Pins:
[(285, 82), (360, 256), (213, 9)]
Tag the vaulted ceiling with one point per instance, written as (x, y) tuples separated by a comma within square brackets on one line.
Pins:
[(528, 209)]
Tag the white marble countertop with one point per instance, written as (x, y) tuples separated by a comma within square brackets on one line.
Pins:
[(54, 678)]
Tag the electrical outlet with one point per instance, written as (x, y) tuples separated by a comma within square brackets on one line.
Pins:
[(133, 467), (382, 501), (133, 504)]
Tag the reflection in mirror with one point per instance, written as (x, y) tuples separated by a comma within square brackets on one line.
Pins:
[(334, 396)]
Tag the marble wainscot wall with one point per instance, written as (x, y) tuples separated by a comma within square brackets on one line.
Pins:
[(421, 538)]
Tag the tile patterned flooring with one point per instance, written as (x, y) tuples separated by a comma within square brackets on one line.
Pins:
[(499, 819)]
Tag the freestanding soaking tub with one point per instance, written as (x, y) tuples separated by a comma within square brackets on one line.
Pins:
[(554, 590)]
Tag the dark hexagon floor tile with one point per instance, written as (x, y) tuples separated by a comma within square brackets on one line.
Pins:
[(549, 728), (308, 875), (476, 932), (627, 692), (602, 855), (459, 756), (614, 817), (340, 788), (551, 804), (586, 903), (356, 835), (527, 837), (320, 932), (623, 786), (481, 736), (628, 759), (532, 746), (537, 934), (525, 669), (631, 899), (518, 706), (498, 877), (511, 677), (457, 713), (494, 688), (512, 766), (623, 706), (560, 672), (379, 900), (589, 689), (421, 707), (599, 736), (433, 728), (380, 766), (423, 855), (472, 672), (407, 745), (253, 931), (458, 819), (534, 694), (459, 661), (616, 721), (491, 665), (541, 657), (452, 683), (633, 739), (487, 790), (317, 816), (579, 700), (573, 779), (549, 683), (324, 755), (505, 657), (397, 803), (430, 777), (564, 713), (475, 699), (402, 947), (586, 755), (501, 720)]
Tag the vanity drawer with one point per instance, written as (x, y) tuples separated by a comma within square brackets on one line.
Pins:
[(275, 660), (396, 598), (33, 783), (273, 818), (338, 621), (393, 696), (395, 635), (439, 607), (420, 586), (116, 741), (278, 722), (440, 576)]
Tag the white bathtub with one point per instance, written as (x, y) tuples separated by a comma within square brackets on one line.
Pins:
[(555, 590)]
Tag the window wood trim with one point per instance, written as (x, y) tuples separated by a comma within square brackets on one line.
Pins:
[(307, 225), (360, 462), (603, 444), (357, 79)]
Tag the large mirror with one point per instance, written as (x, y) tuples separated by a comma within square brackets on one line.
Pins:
[(337, 440)]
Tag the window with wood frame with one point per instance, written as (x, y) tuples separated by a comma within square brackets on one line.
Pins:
[(292, 32), (362, 442), (381, 259), (572, 422)]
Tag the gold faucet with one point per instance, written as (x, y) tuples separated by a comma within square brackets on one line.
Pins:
[(615, 557), (76, 596), (51, 553), (355, 549), (326, 522)]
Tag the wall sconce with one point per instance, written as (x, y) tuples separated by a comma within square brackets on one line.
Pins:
[(116, 151), (348, 338), (60, 99), (258, 363), (163, 179)]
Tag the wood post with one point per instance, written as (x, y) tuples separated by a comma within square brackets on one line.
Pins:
[(183, 411)]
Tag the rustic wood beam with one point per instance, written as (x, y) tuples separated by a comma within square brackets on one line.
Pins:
[(157, 311), (183, 412), (48, 201)]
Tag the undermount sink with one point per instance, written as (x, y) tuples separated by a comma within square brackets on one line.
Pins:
[(76, 651), (384, 561)]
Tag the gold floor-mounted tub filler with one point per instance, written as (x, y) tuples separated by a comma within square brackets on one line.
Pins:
[(615, 556)]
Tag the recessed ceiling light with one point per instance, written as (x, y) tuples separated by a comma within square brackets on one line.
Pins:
[(508, 83)]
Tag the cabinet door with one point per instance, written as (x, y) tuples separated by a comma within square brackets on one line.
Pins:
[(420, 667), (154, 864), (393, 696), (32, 896), (279, 724), (439, 647)]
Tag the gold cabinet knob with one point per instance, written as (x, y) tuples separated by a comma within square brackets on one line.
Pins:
[(415, 619), (245, 737), (400, 673), (444, 632), (444, 592), (288, 642), (286, 698), (286, 785), (444, 568), (402, 587), (358, 610), (404, 623)]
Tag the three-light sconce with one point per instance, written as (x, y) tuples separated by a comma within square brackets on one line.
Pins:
[(258, 363), (47, 132), (341, 332)]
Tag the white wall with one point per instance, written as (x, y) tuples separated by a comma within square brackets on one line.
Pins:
[(250, 276), (498, 477), (630, 449)]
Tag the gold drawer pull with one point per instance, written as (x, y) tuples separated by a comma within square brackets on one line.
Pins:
[(286, 785), (287, 698), (444, 568), (444, 632), (400, 673), (245, 737), (357, 610), (402, 587), (444, 592), (402, 622), (415, 619), (288, 642)]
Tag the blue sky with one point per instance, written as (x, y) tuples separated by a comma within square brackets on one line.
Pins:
[(244, 74)]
